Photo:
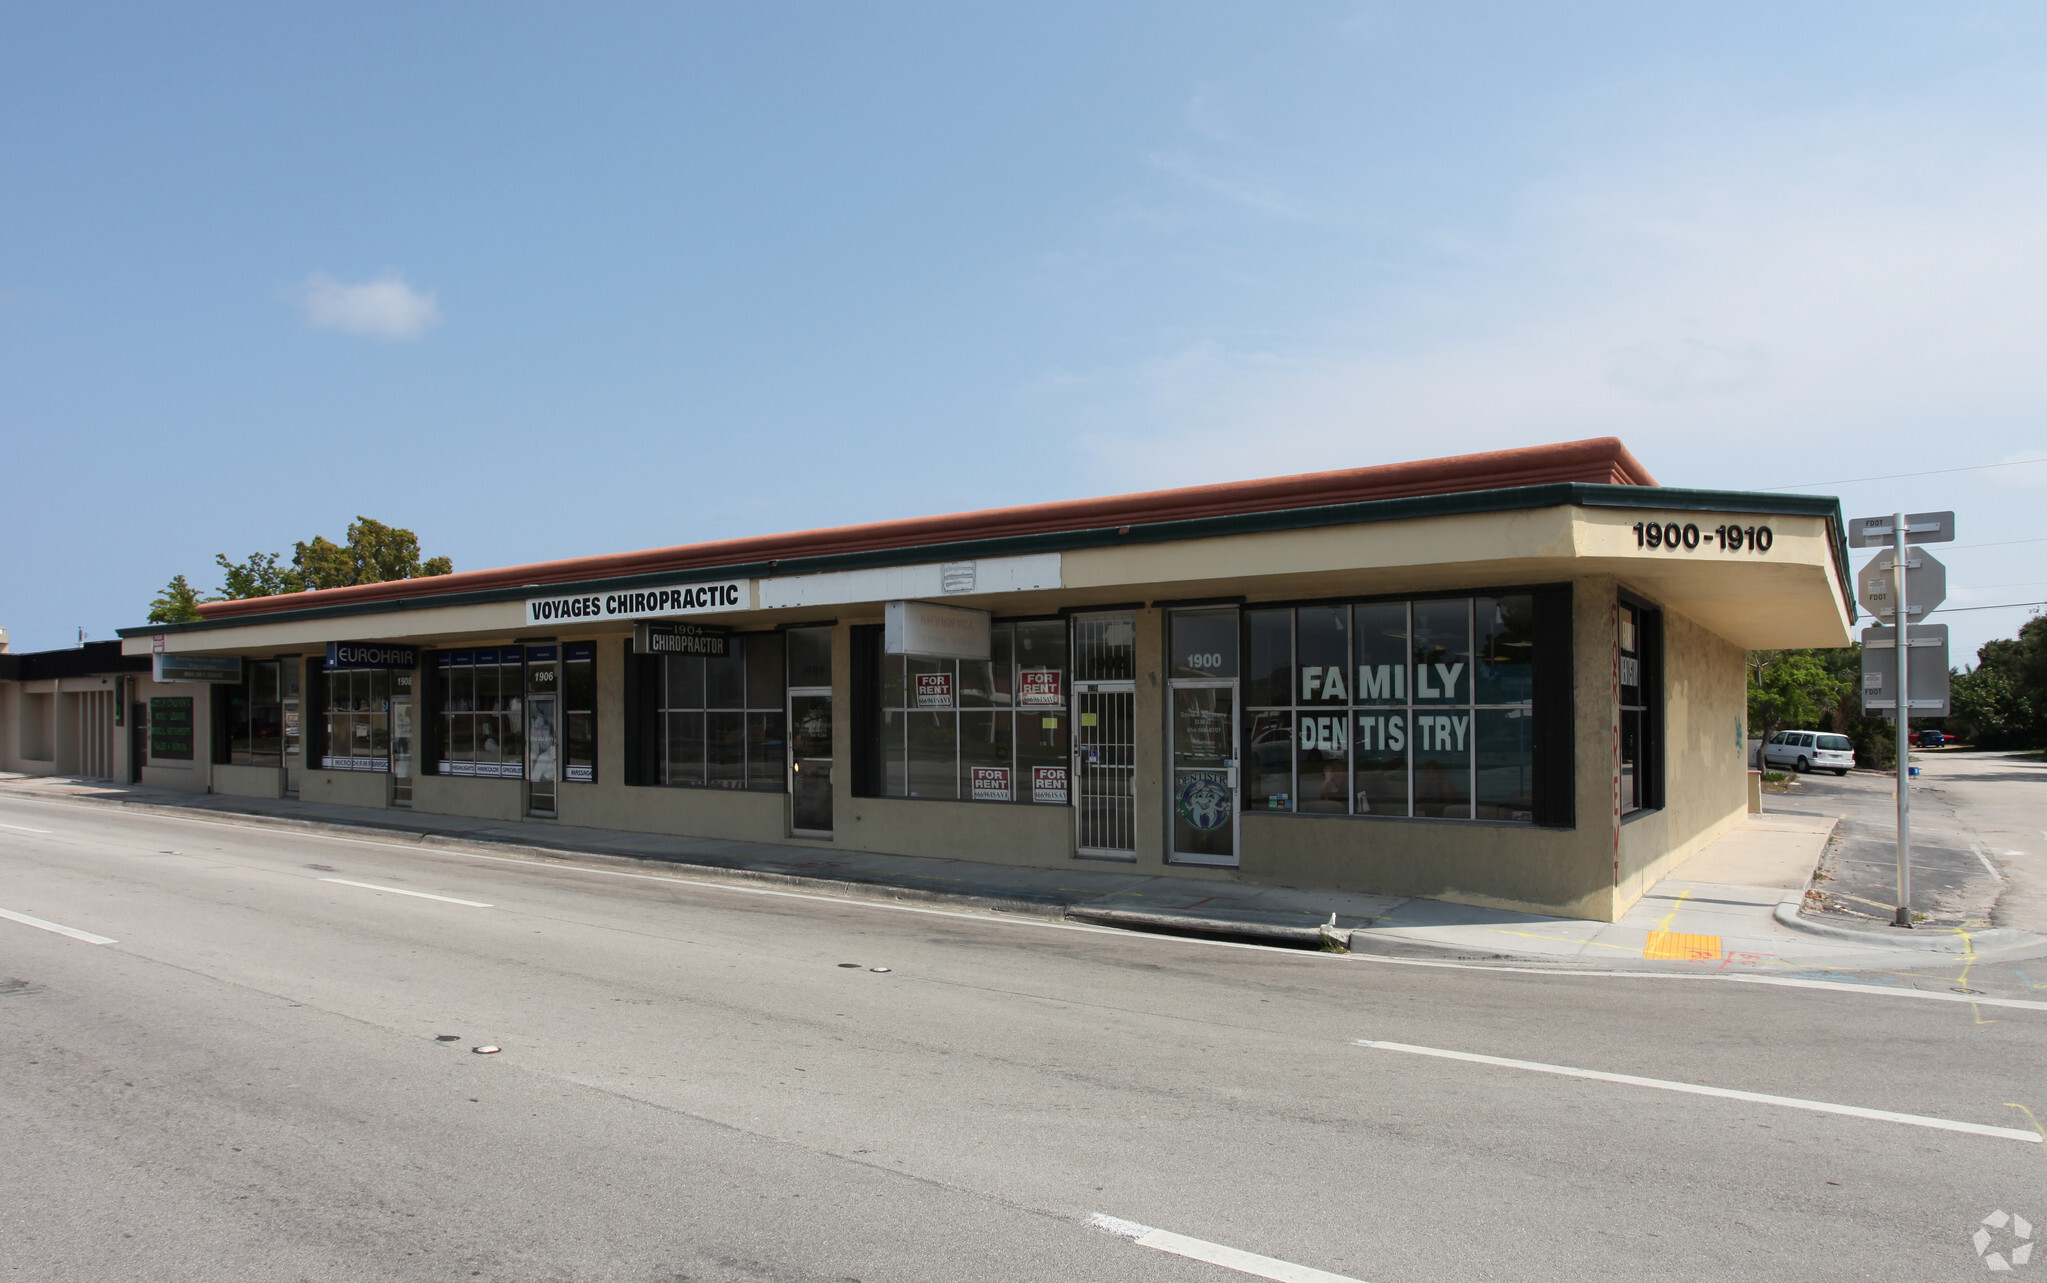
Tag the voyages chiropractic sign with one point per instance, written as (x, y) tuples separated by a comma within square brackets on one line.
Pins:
[(642, 603)]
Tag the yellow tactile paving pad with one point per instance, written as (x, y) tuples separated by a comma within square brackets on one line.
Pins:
[(1675, 946)]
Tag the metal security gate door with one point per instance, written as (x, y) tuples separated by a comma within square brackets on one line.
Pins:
[(1105, 769), (1105, 735)]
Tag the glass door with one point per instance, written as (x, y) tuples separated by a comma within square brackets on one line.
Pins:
[(543, 727), (810, 763), (1201, 709), (1205, 774), (292, 669), (402, 685), (542, 756)]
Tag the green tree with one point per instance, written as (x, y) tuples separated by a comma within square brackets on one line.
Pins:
[(177, 604), (375, 553), (259, 576), (2002, 702), (1990, 708), (1792, 688)]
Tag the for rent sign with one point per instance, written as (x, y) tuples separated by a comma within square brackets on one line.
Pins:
[(934, 690), (1038, 688)]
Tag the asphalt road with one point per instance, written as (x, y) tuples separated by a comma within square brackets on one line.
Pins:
[(247, 1085), (1979, 839)]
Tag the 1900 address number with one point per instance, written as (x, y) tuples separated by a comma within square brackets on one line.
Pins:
[(1673, 537)]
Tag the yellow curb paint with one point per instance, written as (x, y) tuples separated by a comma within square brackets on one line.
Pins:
[(1679, 947), (1969, 953)]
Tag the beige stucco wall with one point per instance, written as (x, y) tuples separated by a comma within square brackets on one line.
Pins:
[(248, 781), (481, 799), (346, 788), (1705, 779), (29, 742)]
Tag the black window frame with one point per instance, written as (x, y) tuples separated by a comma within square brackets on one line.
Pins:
[(666, 705), (870, 717), (1553, 699), (1648, 795)]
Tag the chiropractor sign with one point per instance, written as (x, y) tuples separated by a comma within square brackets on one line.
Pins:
[(642, 603)]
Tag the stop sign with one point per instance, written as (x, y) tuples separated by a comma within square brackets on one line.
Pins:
[(1925, 584)]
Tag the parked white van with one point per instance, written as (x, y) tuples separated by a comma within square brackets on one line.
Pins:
[(1804, 751)]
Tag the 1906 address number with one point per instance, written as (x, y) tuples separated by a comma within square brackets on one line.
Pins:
[(1673, 537)]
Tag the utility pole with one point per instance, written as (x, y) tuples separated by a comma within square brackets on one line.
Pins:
[(1904, 649), (1914, 583)]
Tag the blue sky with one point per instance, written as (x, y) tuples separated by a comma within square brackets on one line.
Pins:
[(540, 282)]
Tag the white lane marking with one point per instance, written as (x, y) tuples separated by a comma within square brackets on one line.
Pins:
[(23, 828), (27, 921), (1991, 868), (445, 899), (1695, 1089), (1299, 955), (1230, 1258)]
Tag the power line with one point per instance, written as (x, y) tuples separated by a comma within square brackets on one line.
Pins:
[(1893, 476), (2001, 543), (2010, 605)]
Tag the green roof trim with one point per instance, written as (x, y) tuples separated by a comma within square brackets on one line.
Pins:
[(1470, 502)]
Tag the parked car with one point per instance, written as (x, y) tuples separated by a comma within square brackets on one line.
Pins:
[(1804, 751), (1929, 738)]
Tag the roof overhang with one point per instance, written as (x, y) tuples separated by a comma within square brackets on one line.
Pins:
[(1795, 594)]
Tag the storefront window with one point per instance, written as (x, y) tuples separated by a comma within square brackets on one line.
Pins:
[(723, 719), (483, 712), (1640, 664), (1422, 708), (358, 720), (255, 716), (979, 730)]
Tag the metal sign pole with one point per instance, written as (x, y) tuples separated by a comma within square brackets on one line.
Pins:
[(1903, 617)]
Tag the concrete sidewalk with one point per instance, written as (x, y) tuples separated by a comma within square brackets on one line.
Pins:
[(1733, 906)]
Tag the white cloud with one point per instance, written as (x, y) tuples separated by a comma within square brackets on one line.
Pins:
[(1737, 307), (384, 307)]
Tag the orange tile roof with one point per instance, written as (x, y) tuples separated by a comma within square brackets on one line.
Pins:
[(1601, 460)]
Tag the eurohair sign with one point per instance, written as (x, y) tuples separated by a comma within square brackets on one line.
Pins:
[(342, 656), (195, 668), (935, 632), (641, 603)]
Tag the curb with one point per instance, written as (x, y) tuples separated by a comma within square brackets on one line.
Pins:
[(1952, 942), (1177, 922), (496, 846)]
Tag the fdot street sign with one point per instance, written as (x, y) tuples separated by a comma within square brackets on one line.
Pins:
[(1926, 661), (1925, 584), (1920, 527)]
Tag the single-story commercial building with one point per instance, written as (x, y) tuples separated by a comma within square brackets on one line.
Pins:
[(79, 711), (1511, 679)]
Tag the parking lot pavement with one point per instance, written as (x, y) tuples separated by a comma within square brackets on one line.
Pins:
[(2002, 799), (1979, 842)]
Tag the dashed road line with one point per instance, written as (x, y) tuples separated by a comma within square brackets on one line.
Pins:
[(58, 927), (1230, 1258), (445, 899), (1697, 1089)]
